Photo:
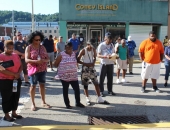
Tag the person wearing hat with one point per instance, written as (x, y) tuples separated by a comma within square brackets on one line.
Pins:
[(104, 52), (131, 47), (88, 54)]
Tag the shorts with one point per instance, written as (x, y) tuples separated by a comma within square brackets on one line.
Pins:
[(51, 56), (38, 77), (150, 70), (121, 64), (87, 74), (24, 65)]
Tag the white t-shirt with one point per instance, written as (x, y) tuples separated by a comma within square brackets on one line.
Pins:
[(105, 49)]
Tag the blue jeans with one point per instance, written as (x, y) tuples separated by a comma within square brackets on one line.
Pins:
[(167, 70), (38, 77)]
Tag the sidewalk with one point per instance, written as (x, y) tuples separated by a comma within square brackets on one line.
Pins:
[(127, 102)]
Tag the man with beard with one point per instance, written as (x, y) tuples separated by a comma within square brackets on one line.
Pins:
[(151, 53), (2, 44)]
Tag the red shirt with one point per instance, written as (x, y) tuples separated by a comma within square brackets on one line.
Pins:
[(14, 69)]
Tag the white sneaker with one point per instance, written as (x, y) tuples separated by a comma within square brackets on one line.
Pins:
[(88, 101), (118, 81), (123, 81)]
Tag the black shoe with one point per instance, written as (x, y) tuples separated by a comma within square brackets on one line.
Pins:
[(130, 73), (111, 93), (80, 105), (10, 120), (155, 88), (102, 94), (165, 85), (17, 117), (69, 107)]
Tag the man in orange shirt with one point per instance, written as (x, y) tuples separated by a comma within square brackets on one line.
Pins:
[(151, 52), (55, 44)]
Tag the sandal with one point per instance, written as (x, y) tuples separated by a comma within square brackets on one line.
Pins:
[(46, 105), (33, 108)]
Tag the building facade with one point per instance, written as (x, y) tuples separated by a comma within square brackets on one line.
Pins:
[(120, 17), (47, 28)]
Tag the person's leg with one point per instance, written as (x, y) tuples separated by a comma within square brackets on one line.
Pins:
[(118, 73), (103, 70), (155, 75), (33, 81), (25, 72), (131, 64), (167, 71), (51, 60), (6, 94), (124, 73), (76, 88), (15, 101), (65, 92), (109, 77)]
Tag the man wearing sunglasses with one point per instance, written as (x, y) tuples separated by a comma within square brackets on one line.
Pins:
[(19, 48)]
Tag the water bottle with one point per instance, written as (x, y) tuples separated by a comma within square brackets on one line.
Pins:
[(38, 57), (15, 83)]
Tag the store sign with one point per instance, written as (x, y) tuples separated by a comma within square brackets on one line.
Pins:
[(96, 7)]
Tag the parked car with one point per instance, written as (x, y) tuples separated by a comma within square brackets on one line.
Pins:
[(6, 37)]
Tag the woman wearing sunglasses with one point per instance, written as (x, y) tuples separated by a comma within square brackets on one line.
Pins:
[(37, 58)]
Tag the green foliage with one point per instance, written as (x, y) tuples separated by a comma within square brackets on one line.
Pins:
[(6, 16)]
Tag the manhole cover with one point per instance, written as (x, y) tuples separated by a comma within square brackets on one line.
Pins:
[(106, 120)]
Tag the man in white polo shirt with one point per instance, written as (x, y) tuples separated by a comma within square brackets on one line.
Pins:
[(104, 52)]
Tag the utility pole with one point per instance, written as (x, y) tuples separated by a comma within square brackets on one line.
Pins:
[(33, 16), (169, 19), (12, 23)]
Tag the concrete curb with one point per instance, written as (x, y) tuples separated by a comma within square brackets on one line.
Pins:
[(90, 127)]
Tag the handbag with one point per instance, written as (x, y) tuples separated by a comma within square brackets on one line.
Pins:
[(33, 69)]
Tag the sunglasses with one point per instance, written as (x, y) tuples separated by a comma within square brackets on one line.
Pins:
[(37, 40)]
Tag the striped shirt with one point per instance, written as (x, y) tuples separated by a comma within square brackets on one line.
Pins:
[(67, 69)]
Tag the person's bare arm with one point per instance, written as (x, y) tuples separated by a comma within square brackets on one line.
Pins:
[(161, 56), (47, 58), (95, 55), (19, 53), (57, 61), (82, 52), (28, 55), (167, 57), (141, 56)]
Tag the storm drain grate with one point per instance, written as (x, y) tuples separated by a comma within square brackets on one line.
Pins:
[(110, 120)]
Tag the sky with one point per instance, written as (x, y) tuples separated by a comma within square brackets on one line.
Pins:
[(40, 6)]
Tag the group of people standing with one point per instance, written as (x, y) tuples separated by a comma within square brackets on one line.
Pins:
[(32, 57)]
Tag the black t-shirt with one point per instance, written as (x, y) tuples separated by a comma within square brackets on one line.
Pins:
[(20, 46)]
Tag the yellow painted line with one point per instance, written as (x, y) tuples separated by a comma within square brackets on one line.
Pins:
[(90, 127)]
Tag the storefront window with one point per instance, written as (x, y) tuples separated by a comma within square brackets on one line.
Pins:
[(116, 31), (77, 31)]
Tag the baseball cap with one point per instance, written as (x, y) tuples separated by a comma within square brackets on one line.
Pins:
[(129, 38), (108, 34), (60, 37)]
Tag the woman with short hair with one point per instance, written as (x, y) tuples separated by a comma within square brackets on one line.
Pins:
[(8, 77), (67, 72), (37, 58)]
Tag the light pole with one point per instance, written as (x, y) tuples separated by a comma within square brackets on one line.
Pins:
[(32, 15), (169, 19)]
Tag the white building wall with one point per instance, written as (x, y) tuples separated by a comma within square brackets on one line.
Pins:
[(139, 33)]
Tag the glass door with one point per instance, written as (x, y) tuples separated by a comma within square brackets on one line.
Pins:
[(96, 36)]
